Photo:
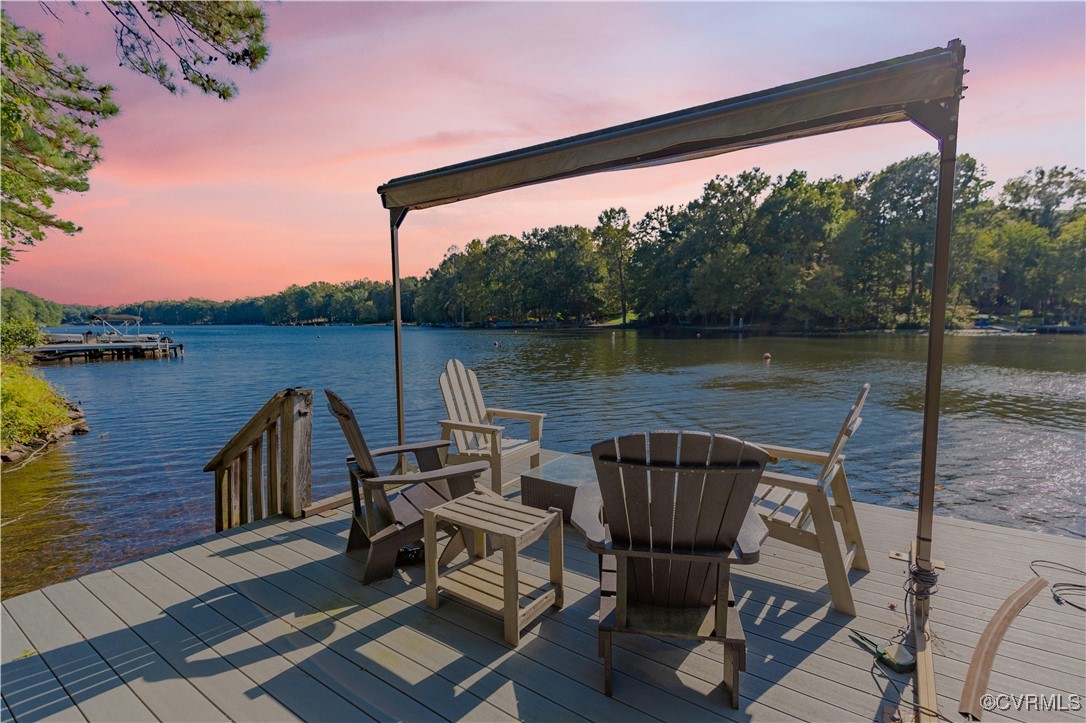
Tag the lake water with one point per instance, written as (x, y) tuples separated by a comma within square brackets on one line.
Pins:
[(1011, 450)]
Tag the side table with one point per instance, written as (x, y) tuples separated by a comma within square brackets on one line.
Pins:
[(497, 587)]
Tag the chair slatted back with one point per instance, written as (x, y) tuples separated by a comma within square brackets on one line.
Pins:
[(347, 421), (848, 428), (464, 403), (675, 492)]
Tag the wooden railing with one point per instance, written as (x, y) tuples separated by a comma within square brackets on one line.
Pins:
[(266, 468)]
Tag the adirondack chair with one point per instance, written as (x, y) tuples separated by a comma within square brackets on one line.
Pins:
[(384, 521), (802, 510), (471, 425), (678, 513)]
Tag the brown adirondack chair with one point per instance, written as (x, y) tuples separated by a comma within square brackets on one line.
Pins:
[(678, 513), (802, 510), (471, 425), (385, 521)]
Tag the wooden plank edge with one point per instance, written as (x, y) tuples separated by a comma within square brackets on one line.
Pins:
[(980, 667)]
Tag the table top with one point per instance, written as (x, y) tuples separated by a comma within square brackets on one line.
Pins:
[(485, 511), (569, 469)]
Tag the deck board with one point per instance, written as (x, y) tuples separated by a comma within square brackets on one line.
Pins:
[(270, 622)]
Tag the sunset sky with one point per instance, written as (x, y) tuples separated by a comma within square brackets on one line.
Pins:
[(197, 197)]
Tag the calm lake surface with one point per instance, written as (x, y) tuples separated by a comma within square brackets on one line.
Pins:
[(1012, 448)]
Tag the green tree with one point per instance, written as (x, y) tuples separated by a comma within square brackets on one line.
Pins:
[(564, 273), (797, 222), (614, 239), (1070, 253), (505, 260), (16, 304), (50, 108), (18, 332), (1044, 197), (656, 286), (899, 211), (1024, 248)]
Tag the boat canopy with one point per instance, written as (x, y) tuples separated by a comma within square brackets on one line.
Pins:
[(129, 318)]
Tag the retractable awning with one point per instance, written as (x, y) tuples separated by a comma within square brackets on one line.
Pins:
[(870, 95), (924, 88)]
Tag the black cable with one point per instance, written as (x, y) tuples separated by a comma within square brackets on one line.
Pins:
[(1060, 590)]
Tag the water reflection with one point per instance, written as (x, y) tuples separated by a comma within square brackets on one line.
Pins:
[(1011, 435), (41, 512)]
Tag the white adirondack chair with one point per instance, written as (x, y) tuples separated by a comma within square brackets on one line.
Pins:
[(471, 425), (802, 510)]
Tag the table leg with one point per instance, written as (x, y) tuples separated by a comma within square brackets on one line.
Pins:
[(429, 526), (511, 585), (556, 557)]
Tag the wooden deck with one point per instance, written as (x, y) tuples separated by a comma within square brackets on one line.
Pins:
[(269, 622)]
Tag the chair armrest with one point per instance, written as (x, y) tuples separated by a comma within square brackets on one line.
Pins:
[(470, 426), (415, 447), (793, 482), (455, 470), (534, 419), (514, 414), (585, 518), (799, 455)]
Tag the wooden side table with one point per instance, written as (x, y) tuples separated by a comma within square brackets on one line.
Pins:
[(497, 587)]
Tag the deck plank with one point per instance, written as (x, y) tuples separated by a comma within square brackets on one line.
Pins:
[(161, 688), (297, 691), (30, 689), (89, 680), (228, 688), (277, 589)]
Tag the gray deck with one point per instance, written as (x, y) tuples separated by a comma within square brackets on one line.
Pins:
[(269, 622)]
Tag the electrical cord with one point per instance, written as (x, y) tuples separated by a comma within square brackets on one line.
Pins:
[(1060, 590)]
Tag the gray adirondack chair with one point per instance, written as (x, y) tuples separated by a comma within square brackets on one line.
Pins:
[(678, 514), (388, 510), (802, 510), (471, 425)]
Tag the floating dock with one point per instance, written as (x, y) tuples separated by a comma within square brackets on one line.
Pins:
[(106, 342), (164, 347)]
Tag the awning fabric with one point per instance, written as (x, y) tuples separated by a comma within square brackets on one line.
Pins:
[(869, 95)]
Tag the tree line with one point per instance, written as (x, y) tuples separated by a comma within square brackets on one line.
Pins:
[(783, 253), (787, 252)]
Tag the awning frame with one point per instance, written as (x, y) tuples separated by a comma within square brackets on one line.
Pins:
[(930, 85)]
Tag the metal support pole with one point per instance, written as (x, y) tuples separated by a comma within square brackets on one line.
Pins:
[(396, 217), (941, 121)]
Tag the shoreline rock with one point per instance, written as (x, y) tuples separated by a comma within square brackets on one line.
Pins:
[(77, 425)]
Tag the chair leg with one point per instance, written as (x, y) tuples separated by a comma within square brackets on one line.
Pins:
[(850, 526), (605, 645), (731, 675), (380, 563), (829, 547), (496, 474), (358, 539)]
